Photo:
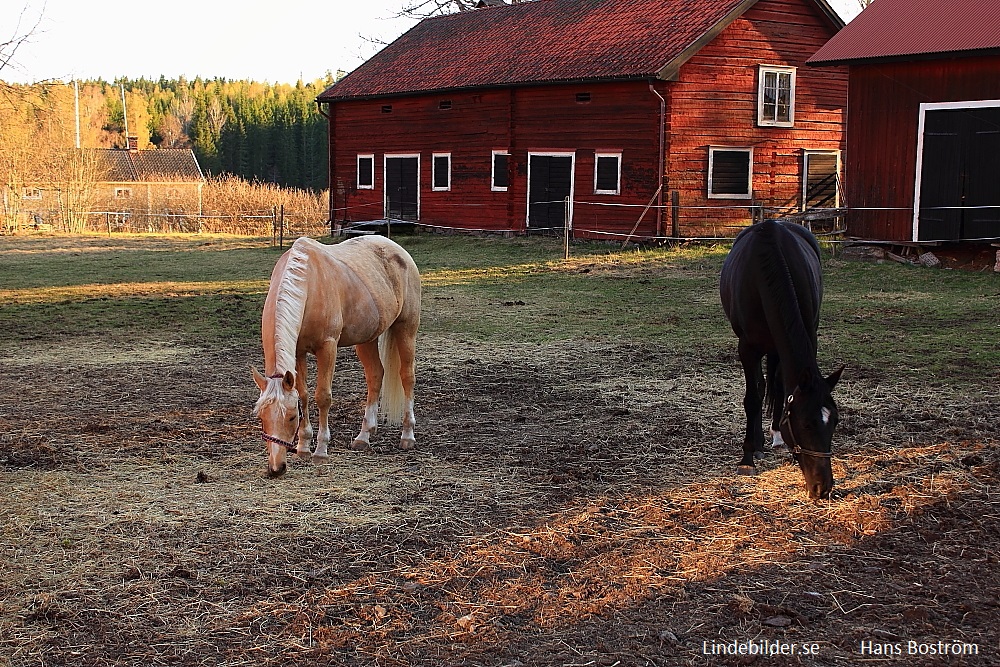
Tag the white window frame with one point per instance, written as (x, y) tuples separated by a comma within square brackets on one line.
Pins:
[(711, 164), (123, 193), (778, 70), (618, 177), (805, 173), (357, 170), (493, 174), (435, 186), (31, 193)]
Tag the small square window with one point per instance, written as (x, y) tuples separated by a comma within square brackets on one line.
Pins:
[(444, 105), (123, 193), (730, 173), (366, 172), (441, 166), (607, 173), (776, 96), (386, 108), (501, 174), (31, 193), (583, 98)]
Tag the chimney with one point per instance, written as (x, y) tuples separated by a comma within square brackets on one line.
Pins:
[(133, 143)]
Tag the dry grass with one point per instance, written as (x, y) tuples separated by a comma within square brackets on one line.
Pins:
[(237, 206), (565, 506)]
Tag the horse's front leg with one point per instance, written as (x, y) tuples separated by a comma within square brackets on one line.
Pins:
[(777, 390), (753, 442), (305, 427), (326, 362), (374, 373)]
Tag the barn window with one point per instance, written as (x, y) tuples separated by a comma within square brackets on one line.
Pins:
[(501, 174), (31, 193), (583, 98), (123, 193), (366, 172), (444, 105), (776, 96), (386, 108), (729, 173), (607, 173), (441, 178), (819, 179)]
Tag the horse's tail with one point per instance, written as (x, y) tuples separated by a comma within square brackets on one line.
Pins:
[(392, 405)]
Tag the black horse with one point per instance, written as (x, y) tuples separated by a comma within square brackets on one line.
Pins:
[(771, 288)]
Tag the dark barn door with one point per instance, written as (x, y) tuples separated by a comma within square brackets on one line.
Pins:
[(401, 188), (551, 177), (960, 175)]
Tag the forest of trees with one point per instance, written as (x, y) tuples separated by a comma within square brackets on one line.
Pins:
[(262, 132)]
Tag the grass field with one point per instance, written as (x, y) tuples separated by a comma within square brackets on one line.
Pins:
[(571, 500)]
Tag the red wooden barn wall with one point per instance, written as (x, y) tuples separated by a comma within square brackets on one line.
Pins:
[(714, 103), (882, 130), (620, 117)]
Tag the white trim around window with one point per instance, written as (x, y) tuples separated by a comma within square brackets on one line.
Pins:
[(775, 96), (616, 167), (31, 193), (436, 184), (728, 162), (493, 171), (370, 185)]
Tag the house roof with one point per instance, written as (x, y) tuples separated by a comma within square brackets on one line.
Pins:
[(546, 41), (156, 165), (915, 28)]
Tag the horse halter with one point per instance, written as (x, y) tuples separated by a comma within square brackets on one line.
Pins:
[(292, 446), (785, 423)]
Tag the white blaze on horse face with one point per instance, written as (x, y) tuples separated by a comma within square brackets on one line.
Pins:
[(826, 412)]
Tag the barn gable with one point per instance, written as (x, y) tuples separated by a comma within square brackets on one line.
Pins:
[(512, 109), (923, 150)]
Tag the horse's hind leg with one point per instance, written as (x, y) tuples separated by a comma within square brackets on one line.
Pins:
[(406, 347), (374, 373), (326, 362)]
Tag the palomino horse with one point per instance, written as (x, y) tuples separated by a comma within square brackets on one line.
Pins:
[(771, 288), (363, 292)]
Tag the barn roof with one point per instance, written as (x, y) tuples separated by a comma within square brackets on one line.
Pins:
[(915, 28), (546, 41), (157, 165)]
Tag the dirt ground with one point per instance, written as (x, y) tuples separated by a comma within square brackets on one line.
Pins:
[(565, 505)]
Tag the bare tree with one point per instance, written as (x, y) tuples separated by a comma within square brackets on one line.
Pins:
[(425, 8), (24, 29)]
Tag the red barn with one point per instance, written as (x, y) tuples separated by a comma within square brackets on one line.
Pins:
[(700, 110), (923, 128)]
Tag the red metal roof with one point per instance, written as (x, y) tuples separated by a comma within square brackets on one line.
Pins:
[(900, 28), (542, 41)]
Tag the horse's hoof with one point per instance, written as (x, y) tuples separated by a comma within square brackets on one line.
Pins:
[(304, 455), (359, 445), (759, 454), (320, 459), (407, 443), (749, 471)]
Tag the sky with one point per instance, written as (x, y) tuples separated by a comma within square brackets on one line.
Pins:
[(82, 39)]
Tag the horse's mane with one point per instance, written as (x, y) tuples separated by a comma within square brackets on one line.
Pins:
[(290, 305), (780, 300)]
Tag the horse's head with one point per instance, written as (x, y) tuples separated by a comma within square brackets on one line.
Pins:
[(807, 425), (278, 409)]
